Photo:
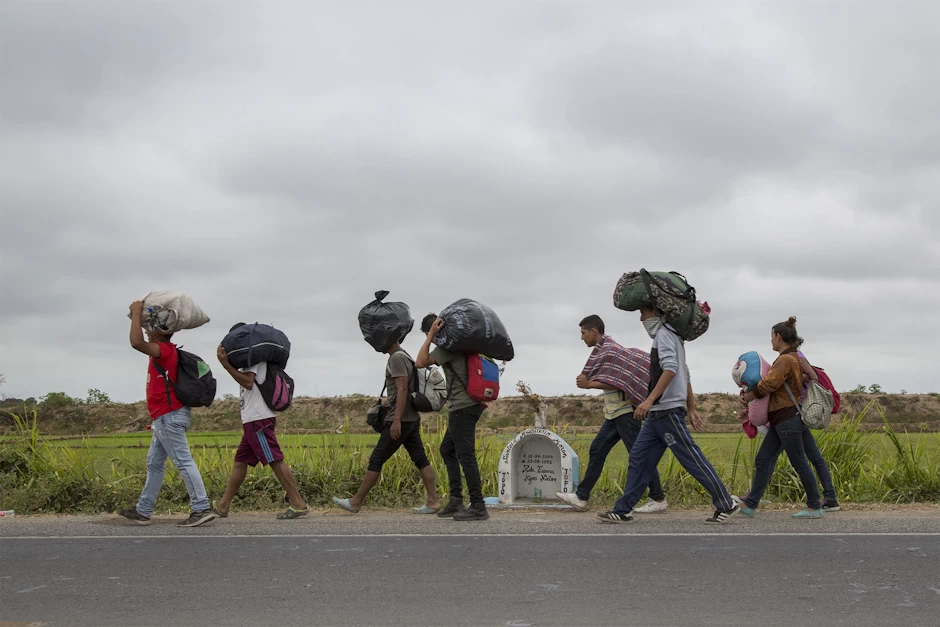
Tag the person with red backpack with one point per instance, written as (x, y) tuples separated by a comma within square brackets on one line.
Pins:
[(259, 443), (812, 373), (787, 431), (170, 422), (463, 412)]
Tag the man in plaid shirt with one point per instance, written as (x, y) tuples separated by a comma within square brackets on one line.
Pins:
[(624, 376)]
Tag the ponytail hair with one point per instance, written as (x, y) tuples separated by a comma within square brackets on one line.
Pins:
[(787, 332)]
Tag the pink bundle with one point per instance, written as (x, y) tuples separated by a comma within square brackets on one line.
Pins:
[(747, 372)]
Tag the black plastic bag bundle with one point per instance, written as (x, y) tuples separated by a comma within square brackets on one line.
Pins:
[(383, 324), (251, 344), (472, 327)]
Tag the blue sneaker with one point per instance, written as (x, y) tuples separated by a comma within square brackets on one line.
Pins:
[(809, 513), (749, 512)]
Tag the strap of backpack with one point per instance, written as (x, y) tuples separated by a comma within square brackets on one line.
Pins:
[(166, 380), (414, 372), (799, 409), (414, 377), (457, 376)]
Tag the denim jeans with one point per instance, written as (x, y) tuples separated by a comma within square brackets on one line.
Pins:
[(787, 436), (458, 448), (659, 432), (816, 459), (621, 429), (169, 440)]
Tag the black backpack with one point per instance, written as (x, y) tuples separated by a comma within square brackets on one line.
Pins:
[(195, 385), (277, 389)]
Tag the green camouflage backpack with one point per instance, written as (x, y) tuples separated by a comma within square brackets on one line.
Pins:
[(671, 294)]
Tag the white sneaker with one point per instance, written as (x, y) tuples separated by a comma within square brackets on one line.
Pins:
[(653, 507), (573, 501)]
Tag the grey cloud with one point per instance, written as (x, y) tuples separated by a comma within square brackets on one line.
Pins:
[(282, 161), (73, 64)]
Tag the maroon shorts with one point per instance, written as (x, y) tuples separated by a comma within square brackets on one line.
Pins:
[(259, 444)]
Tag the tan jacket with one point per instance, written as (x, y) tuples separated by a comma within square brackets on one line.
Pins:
[(787, 369)]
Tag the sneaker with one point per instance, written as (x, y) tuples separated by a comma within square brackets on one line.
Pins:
[(573, 500), (454, 506), (653, 507), (131, 513), (809, 513), (746, 510), (610, 516), (197, 518), (720, 518), (476, 512), (830, 506)]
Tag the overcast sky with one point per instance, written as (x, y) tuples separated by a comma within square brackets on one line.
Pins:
[(282, 161)]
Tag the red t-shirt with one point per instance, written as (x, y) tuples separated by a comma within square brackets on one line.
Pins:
[(157, 402)]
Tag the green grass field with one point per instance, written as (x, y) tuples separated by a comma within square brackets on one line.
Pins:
[(718, 447), (101, 473)]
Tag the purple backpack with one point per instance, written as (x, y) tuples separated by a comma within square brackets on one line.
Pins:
[(277, 389)]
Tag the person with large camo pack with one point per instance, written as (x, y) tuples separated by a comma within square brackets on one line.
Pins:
[(670, 398)]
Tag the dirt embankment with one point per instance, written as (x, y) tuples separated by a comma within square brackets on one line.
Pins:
[(911, 412)]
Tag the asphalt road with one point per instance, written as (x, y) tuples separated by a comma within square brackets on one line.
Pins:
[(517, 570)]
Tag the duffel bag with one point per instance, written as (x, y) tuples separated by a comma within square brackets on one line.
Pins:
[(250, 344)]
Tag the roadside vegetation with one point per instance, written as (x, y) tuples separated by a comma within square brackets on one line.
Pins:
[(39, 474)]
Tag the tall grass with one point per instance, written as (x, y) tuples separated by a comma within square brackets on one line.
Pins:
[(37, 475)]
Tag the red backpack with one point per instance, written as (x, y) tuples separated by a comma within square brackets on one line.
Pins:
[(482, 378), (826, 382)]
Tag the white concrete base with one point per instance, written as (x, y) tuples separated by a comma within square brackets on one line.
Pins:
[(535, 465)]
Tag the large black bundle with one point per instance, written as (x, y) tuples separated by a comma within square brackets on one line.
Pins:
[(251, 344), (472, 327), (383, 324)]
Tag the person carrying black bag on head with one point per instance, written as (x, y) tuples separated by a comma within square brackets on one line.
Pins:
[(459, 445), (400, 422)]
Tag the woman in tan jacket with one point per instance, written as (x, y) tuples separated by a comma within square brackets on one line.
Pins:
[(786, 426)]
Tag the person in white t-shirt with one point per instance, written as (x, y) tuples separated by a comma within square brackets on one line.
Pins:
[(259, 443)]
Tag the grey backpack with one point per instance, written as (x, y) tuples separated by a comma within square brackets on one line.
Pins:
[(430, 391), (816, 409)]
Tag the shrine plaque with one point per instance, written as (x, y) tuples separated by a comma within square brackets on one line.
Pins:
[(535, 465)]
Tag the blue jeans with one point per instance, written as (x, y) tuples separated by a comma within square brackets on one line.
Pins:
[(169, 440), (784, 436), (621, 429), (660, 431), (815, 458)]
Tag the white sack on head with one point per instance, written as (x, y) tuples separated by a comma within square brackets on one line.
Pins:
[(166, 311)]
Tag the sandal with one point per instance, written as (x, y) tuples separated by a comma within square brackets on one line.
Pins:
[(344, 503), (217, 511), (424, 509), (292, 513)]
